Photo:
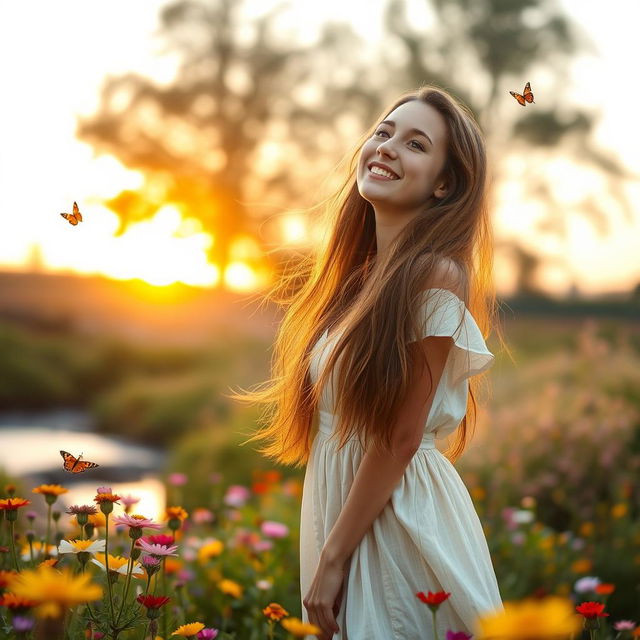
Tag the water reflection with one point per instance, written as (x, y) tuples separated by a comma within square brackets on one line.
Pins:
[(30, 451)]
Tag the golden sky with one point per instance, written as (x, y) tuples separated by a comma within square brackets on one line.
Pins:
[(56, 54)]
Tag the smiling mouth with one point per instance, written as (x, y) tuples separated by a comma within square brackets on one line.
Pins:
[(383, 173)]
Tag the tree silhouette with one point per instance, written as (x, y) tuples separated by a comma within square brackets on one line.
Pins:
[(248, 116), (481, 49)]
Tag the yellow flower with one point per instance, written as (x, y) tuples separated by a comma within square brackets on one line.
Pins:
[(586, 529), (189, 630), (172, 565), (50, 490), (38, 549), (210, 550), (546, 618), (619, 510), (230, 587), (298, 628), (118, 564), (274, 611), (55, 590)]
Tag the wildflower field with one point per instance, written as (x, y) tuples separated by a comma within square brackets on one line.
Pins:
[(552, 470)]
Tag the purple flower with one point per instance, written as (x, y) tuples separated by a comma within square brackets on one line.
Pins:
[(273, 529), (586, 584), (262, 545), (207, 634), (457, 635), (236, 495), (22, 624)]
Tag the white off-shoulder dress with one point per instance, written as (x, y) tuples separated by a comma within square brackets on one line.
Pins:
[(428, 537)]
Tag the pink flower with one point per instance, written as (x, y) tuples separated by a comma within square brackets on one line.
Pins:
[(103, 490), (623, 625), (137, 522), (264, 584), (177, 479), (157, 549), (129, 501), (263, 545), (457, 635), (150, 561), (273, 529), (207, 634), (236, 495), (202, 515)]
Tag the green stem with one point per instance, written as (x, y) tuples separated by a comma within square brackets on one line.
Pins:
[(13, 546), (433, 618), (128, 581), (46, 540), (106, 562), (165, 613)]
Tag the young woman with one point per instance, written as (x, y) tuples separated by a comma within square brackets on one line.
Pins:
[(372, 363)]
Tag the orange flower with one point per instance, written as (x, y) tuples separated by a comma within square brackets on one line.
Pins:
[(50, 490), (605, 588), (106, 497), (13, 504), (274, 611), (175, 513), (6, 577), (13, 601)]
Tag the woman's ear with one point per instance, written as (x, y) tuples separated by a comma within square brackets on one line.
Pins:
[(441, 190)]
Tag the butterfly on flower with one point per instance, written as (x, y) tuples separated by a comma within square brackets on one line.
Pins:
[(525, 97), (74, 217), (76, 465)]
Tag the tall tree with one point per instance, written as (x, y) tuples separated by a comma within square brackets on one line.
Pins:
[(481, 49), (250, 115)]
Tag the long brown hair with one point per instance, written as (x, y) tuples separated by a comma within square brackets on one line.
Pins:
[(377, 309)]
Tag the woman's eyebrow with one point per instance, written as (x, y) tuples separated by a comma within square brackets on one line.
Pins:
[(414, 130)]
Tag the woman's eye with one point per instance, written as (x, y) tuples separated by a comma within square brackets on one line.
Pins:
[(380, 132), (418, 145)]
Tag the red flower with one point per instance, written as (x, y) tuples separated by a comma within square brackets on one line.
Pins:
[(605, 588), (591, 610), (160, 538), (152, 602), (433, 600)]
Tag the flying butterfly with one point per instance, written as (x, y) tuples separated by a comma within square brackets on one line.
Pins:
[(525, 97), (76, 465), (74, 217)]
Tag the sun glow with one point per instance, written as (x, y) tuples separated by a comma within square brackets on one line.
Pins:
[(165, 249)]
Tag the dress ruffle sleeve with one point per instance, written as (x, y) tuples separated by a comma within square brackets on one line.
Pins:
[(445, 314)]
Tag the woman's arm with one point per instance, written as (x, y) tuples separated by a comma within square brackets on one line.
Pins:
[(379, 474), (376, 478)]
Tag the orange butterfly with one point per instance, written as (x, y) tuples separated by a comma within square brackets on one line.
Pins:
[(523, 98), (74, 217), (76, 465)]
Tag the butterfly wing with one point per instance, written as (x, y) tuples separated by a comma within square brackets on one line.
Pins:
[(83, 465), (519, 97), (70, 217), (69, 461), (76, 212), (528, 95)]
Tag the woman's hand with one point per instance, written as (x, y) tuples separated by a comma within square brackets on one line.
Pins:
[(324, 597)]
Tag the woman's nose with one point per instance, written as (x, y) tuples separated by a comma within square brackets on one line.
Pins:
[(386, 148)]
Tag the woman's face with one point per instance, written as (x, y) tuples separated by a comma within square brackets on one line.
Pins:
[(399, 165)]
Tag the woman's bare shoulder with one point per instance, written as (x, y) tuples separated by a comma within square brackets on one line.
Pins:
[(445, 274)]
